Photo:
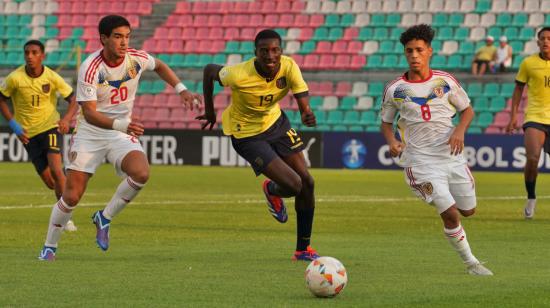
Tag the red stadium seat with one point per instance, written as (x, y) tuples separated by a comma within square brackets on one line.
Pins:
[(493, 130), (231, 34), (191, 46), (162, 114), (200, 20), (145, 8), (311, 61), (149, 44), (350, 33), (286, 21), (161, 33), (305, 34), (64, 20), (230, 20), (104, 8), (174, 100), (323, 47), (77, 7), (131, 7), (183, 7), (313, 87), (271, 20), (194, 125), (64, 7), (221, 101), (299, 59), (159, 100), (145, 100), (342, 62), (254, 7), (268, 7), (90, 8), (283, 7), (174, 33), (241, 7), (185, 21), (89, 20), (65, 32), (161, 46), (176, 46), (248, 34), (214, 21), (256, 20), (298, 6), (501, 119), (339, 47), (343, 88), (216, 33), (92, 45), (117, 7), (178, 125), (326, 62), (354, 47), (188, 33), (202, 33), (165, 125), (301, 21), (177, 115), (316, 20), (133, 20), (325, 88), (200, 7), (358, 61)]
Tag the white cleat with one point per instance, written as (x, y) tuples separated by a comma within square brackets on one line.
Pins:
[(479, 270), (529, 210), (70, 226)]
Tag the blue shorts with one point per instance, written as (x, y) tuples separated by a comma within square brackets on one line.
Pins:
[(280, 140)]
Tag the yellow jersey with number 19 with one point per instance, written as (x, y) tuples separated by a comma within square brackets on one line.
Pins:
[(535, 72), (34, 100), (254, 100)]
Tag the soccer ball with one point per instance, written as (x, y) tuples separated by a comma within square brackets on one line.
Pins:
[(326, 277)]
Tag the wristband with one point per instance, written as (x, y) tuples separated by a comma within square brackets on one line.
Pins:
[(121, 125), (180, 87), (16, 127)]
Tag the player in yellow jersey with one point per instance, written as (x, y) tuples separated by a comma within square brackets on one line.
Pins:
[(534, 72), (32, 89), (261, 133)]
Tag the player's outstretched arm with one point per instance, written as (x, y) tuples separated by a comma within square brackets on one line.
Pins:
[(516, 99), (189, 99), (308, 117), (131, 127), (210, 74), (396, 147), (456, 141), (14, 125), (65, 122)]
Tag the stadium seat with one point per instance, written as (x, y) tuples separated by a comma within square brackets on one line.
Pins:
[(531, 6), (484, 119), (351, 117), (480, 104), (440, 20), (502, 119), (375, 88), (330, 103), (497, 104), (368, 118), (335, 117), (343, 88), (491, 89), (536, 19), (348, 103), (364, 103)]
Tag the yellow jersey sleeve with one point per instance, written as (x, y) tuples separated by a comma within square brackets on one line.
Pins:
[(227, 76), (522, 73), (7, 87), (297, 83), (62, 87)]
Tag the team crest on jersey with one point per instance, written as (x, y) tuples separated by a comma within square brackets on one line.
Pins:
[(46, 88), (439, 92), (281, 83), (427, 188), (131, 73), (72, 156)]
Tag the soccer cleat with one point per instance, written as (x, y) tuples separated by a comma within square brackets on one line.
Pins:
[(47, 254), (529, 210), (479, 270), (275, 204), (309, 254), (102, 225), (70, 226)]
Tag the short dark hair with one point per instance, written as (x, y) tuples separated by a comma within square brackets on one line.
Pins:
[(35, 42), (542, 30), (267, 34), (110, 22), (419, 32)]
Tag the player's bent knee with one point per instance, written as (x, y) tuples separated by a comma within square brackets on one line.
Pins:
[(308, 183), (467, 213), (141, 176)]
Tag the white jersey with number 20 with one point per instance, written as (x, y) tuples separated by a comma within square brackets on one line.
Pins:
[(425, 109), (112, 87)]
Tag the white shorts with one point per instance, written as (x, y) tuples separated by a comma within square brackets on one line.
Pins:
[(86, 154), (443, 185)]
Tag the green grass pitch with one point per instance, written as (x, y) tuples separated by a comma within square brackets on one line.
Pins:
[(202, 236)]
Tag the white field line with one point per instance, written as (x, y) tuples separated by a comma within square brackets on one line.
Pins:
[(341, 199)]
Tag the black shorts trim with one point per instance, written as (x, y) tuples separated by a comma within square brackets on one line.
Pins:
[(542, 127)]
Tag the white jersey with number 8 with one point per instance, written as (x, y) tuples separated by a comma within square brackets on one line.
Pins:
[(426, 109), (112, 87)]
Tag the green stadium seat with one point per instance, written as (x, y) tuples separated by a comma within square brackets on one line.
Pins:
[(190, 60), (320, 116), (335, 34), (14, 44), (445, 34), (158, 86), (220, 59), (204, 59), (178, 60), (355, 128), (3, 59), (456, 20), (462, 34), (393, 20), (474, 89), (516, 62), (503, 20), (437, 44), (517, 47), (375, 89), (475, 130), (495, 32), (315, 102), (377, 20), (12, 32), (351, 117), (307, 47), (491, 89), (507, 89), (14, 57), (454, 62), (380, 34), (440, 20), (402, 64), (386, 47), (198, 87), (2, 20), (320, 34), (339, 128), (347, 20), (51, 33), (145, 86), (166, 58), (374, 62), (373, 129), (497, 104), (520, 20), (395, 34), (527, 34), (332, 20), (232, 47), (12, 20), (483, 6), (480, 104), (512, 33), (547, 19), (77, 32), (438, 62), (484, 119), (390, 61), (190, 84), (335, 117), (246, 47), (348, 103), (365, 34), (51, 20), (369, 118), (319, 128)]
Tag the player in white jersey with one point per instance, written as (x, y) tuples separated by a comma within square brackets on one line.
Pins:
[(430, 148), (107, 85)]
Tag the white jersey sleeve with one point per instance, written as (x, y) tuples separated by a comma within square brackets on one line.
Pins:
[(457, 95), (86, 88), (389, 107)]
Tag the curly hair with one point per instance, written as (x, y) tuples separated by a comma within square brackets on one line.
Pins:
[(542, 30), (419, 32)]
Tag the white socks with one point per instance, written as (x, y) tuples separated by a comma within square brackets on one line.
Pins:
[(457, 238), (61, 214), (126, 192)]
